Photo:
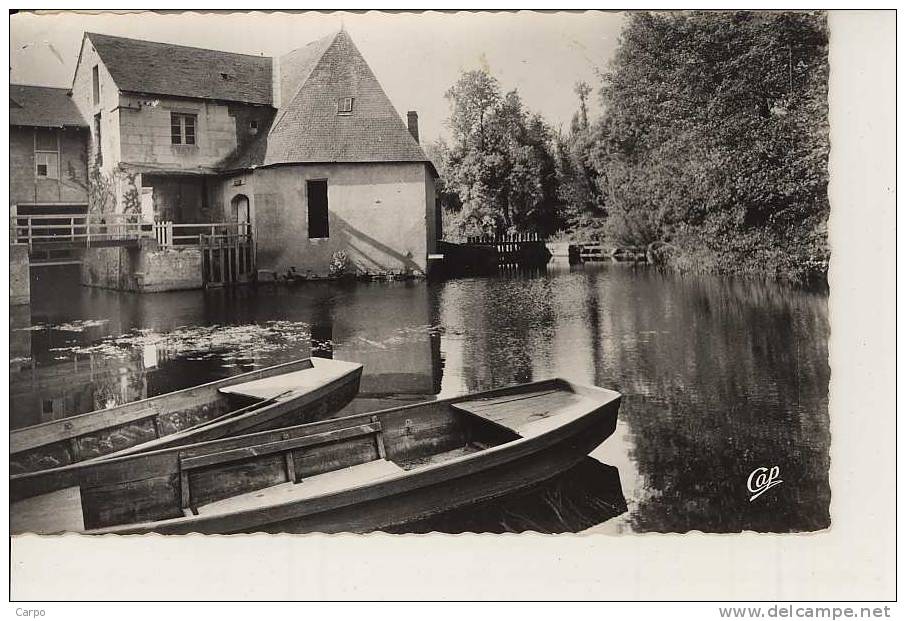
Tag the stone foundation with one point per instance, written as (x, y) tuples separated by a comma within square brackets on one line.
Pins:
[(19, 278), (143, 270)]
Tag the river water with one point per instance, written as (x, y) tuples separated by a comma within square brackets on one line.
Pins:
[(720, 376)]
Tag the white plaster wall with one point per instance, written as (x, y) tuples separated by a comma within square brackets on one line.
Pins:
[(378, 216)]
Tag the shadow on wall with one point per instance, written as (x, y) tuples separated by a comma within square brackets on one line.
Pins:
[(367, 253)]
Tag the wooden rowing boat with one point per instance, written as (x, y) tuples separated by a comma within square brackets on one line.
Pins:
[(353, 474), (285, 394)]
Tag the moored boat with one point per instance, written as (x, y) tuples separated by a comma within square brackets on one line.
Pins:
[(353, 474), (285, 394)]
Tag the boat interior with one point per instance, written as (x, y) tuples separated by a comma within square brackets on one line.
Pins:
[(102, 432), (287, 465)]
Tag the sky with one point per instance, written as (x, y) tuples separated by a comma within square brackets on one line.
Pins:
[(416, 57)]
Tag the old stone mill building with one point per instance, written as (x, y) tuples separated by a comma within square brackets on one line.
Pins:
[(198, 166)]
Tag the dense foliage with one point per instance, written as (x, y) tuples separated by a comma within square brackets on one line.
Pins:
[(499, 172), (716, 139), (712, 145)]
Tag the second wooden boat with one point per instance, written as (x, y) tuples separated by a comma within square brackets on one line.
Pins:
[(285, 394), (352, 474)]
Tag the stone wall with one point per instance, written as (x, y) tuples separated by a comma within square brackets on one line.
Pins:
[(143, 270), (19, 278)]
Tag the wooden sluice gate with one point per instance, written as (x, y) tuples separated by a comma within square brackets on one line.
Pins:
[(490, 253)]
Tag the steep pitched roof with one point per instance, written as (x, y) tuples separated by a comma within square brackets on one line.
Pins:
[(43, 106), (294, 68), (307, 127), (166, 69)]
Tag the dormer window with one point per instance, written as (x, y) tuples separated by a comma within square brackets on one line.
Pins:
[(344, 105)]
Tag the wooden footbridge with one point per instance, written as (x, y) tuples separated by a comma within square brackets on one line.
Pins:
[(54, 239)]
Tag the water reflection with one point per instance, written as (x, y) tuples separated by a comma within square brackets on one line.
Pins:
[(720, 376), (585, 496)]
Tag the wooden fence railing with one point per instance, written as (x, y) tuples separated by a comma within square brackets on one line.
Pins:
[(169, 234), (510, 237), (77, 230)]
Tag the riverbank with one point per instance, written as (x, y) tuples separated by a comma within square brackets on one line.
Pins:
[(808, 267)]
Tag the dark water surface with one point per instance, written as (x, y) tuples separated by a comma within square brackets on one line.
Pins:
[(719, 376)]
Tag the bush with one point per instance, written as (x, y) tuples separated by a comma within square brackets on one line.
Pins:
[(339, 264)]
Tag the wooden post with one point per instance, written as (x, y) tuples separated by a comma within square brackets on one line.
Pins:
[(290, 462), (228, 267), (379, 440), (75, 449)]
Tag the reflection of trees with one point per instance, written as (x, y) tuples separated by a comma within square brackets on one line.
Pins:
[(506, 324), (720, 377)]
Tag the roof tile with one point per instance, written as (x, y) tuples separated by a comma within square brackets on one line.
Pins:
[(307, 128), (43, 106), (167, 69)]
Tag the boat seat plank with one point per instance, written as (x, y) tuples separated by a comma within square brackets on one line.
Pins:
[(56, 512), (522, 412), (246, 452), (297, 381), (309, 487)]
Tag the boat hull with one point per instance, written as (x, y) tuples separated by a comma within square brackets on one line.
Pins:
[(415, 495), (145, 433), (318, 405)]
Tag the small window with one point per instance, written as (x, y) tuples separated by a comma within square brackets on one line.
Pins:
[(253, 124), (47, 154), (47, 406), (182, 128), (99, 154), (96, 85), (344, 105)]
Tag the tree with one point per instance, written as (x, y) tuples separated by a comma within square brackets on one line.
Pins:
[(500, 166), (583, 211), (583, 90)]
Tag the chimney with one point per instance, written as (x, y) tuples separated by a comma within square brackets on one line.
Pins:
[(412, 118)]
